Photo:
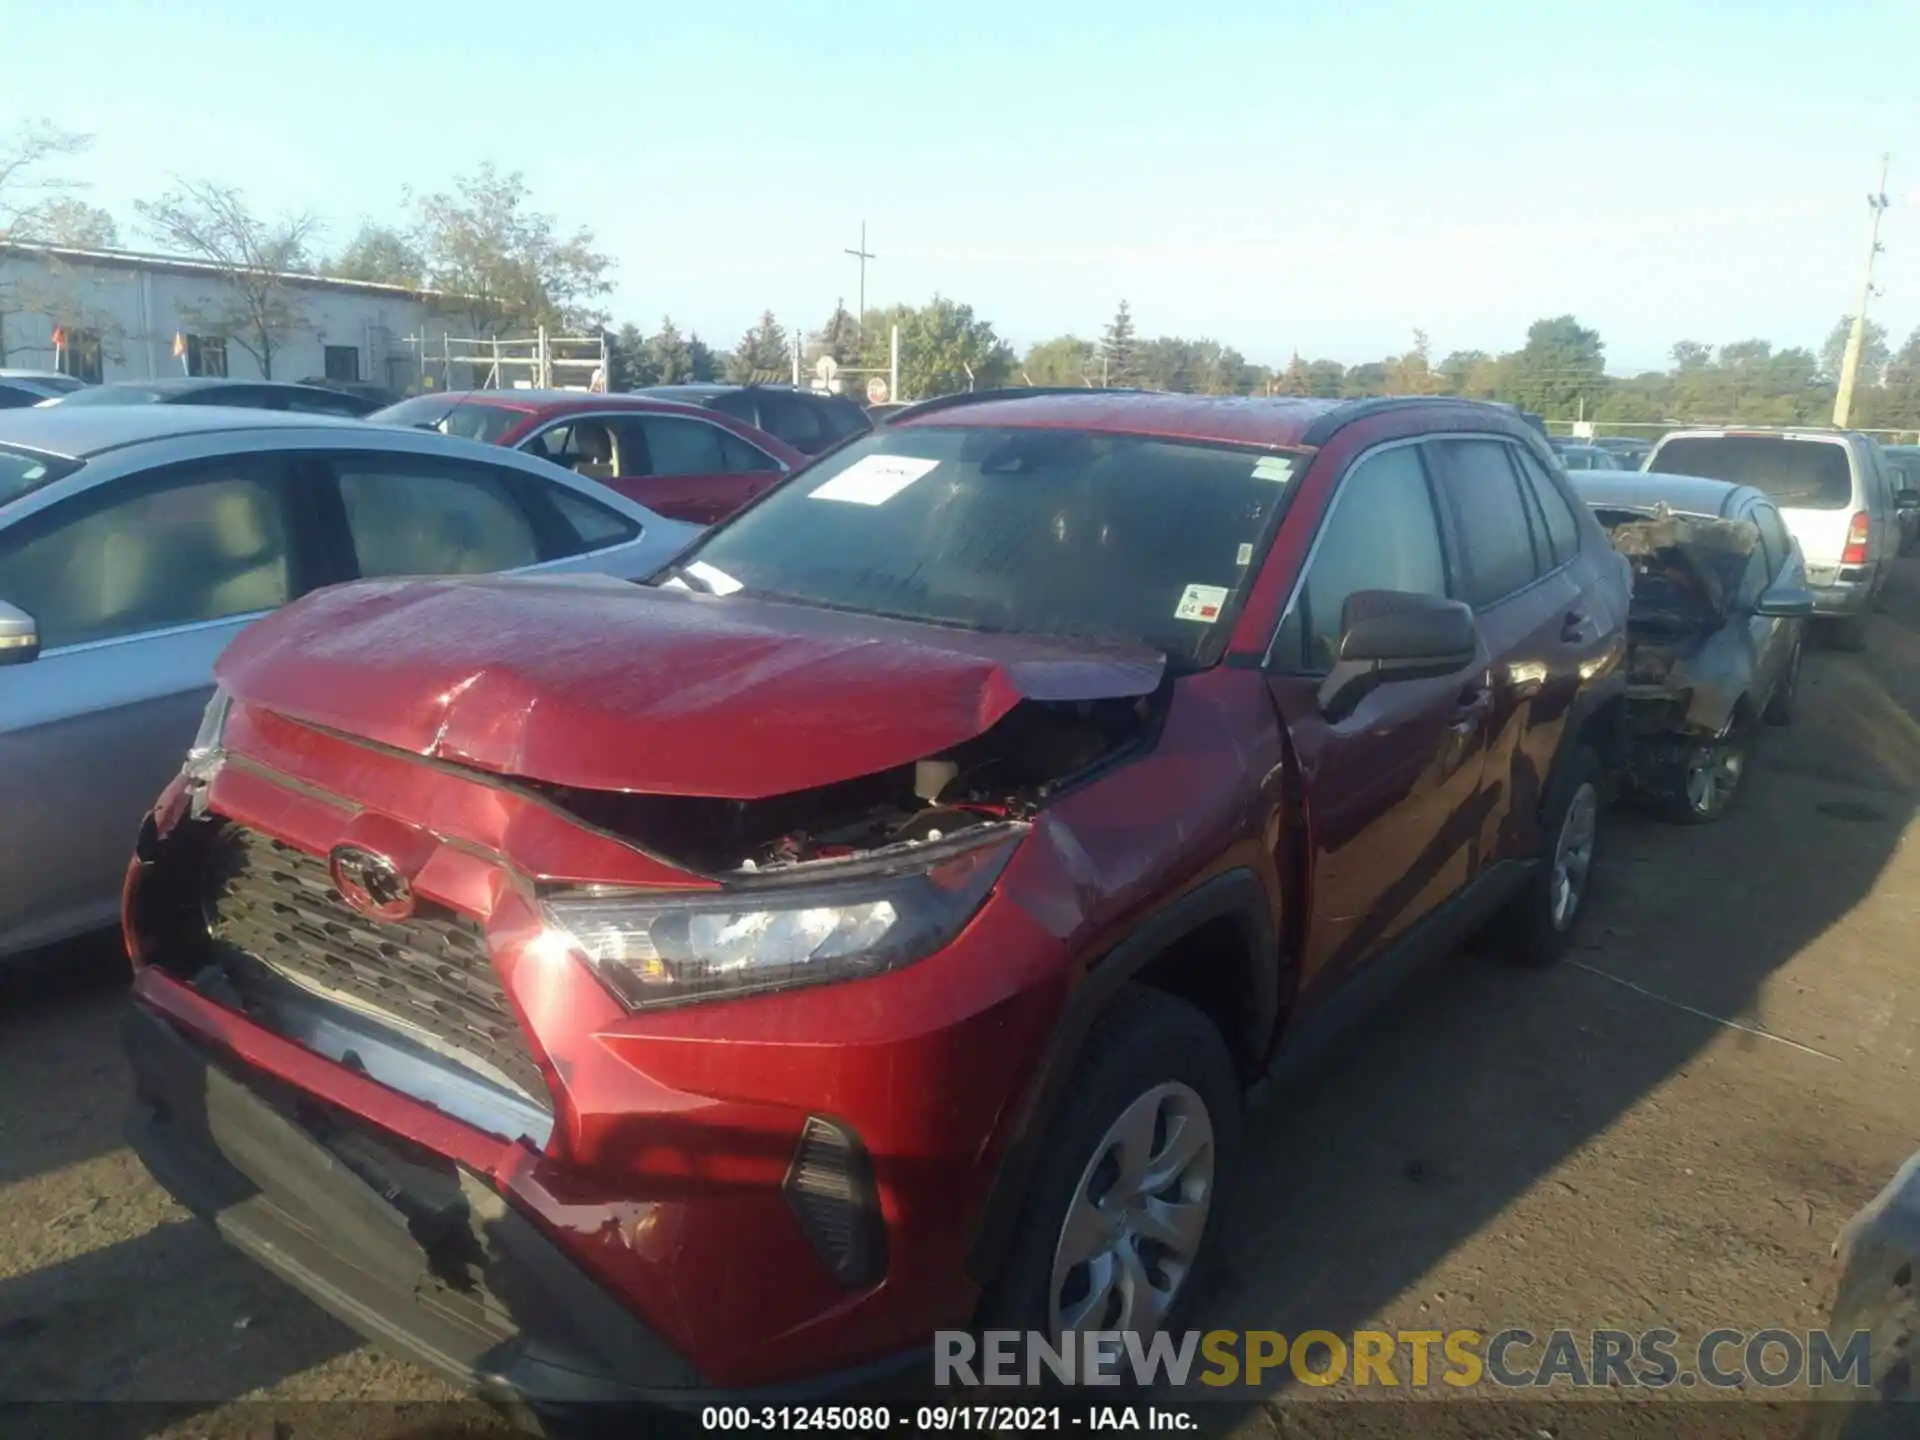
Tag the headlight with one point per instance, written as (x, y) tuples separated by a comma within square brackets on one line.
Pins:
[(213, 731), (650, 950)]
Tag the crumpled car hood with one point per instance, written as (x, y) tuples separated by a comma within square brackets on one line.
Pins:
[(593, 683)]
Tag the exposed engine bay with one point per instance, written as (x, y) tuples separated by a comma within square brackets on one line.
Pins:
[(1004, 774)]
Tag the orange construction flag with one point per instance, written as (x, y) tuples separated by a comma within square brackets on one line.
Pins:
[(59, 337)]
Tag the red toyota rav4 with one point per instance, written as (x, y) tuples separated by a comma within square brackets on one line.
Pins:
[(873, 924)]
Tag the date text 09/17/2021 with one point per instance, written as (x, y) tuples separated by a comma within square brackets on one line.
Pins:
[(938, 1419)]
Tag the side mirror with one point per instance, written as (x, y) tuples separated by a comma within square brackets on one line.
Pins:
[(1389, 635), (1785, 602), (19, 636)]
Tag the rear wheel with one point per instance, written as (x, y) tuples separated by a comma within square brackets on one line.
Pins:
[(1536, 927), (1122, 1212)]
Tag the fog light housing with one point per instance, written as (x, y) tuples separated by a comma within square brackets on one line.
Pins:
[(830, 1188)]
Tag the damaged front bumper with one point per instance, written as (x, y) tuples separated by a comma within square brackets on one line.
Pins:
[(415, 1251)]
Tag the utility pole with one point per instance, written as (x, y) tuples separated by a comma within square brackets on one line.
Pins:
[(863, 255), (1856, 342)]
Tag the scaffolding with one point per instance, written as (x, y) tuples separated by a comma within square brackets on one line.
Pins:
[(537, 362)]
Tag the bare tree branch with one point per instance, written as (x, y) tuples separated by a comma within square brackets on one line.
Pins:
[(258, 310)]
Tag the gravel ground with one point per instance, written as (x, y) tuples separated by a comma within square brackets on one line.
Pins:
[(1666, 1131)]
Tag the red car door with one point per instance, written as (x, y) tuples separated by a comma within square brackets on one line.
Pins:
[(688, 468), (1393, 790)]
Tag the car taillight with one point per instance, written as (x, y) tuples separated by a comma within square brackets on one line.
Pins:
[(1856, 551)]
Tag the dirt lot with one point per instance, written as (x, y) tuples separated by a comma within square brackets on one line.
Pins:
[(1665, 1132)]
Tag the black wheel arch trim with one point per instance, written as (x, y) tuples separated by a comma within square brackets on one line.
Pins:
[(1238, 895)]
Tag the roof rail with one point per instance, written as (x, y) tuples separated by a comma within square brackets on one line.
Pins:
[(1008, 392)]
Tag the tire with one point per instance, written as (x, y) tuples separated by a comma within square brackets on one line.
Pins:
[(1780, 707), (1536, 926), (1849, 634), (1150, 1052), (1713, 779)]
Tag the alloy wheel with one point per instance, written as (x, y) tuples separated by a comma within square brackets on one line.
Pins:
[(1573, 854), (1713, 774)]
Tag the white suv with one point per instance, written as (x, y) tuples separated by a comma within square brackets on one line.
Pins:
[(1832, 488)]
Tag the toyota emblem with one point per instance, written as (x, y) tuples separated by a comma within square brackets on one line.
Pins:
[(370, 883)]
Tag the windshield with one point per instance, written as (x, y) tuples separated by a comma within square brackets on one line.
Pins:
[(1057, 532), (452, 415), (1794, 474), (22, 472)]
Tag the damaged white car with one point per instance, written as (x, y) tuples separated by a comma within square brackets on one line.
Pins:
[(1715, 631)]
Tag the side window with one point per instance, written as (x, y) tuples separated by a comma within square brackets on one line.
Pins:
[(1495, 530), (845, 418), (14, 398), (1773, 534), (674, 446), (592, 526), (212, 545), (737, 403), (738, 457), (584, 446), (412, 515), (795, 421), (1550, 502), (1381, 534), (322, 404)]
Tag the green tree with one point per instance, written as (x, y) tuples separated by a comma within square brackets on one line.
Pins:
[(1873, 349), (1561, 368), (1295, 379), (762, 353), (1412, 373), (1163, 363), (1063, 360), (839, 338), (380, 254), (504, 265), (670, 356), (1473, 374), (1691, 355), (939, 343), (1218, 369), (1326, 379), (707, 364), (632, 360), (1118, 346)]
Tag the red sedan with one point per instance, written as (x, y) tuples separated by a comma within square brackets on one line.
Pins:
[(681, 461)]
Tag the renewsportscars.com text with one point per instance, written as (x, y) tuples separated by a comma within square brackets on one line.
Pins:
[(1410, 1359)]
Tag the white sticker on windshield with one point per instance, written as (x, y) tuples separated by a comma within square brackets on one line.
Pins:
[(715, 579), (676, 583), (874, 480), (1244, 555), (1201, 602), (1273, 467)]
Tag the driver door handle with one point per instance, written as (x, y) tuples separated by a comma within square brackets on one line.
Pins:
[(1474, 701)]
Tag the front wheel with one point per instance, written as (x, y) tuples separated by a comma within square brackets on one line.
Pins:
[(1122, 1211), (1536, 927)]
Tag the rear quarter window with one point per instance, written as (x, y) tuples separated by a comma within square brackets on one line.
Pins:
[(1794, 474)]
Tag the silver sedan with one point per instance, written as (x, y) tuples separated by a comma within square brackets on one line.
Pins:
[(136, 542)]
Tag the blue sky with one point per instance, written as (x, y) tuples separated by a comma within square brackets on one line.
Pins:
[(1282, 176)]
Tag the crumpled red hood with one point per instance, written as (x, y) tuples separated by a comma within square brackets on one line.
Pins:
[(597, 684)]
